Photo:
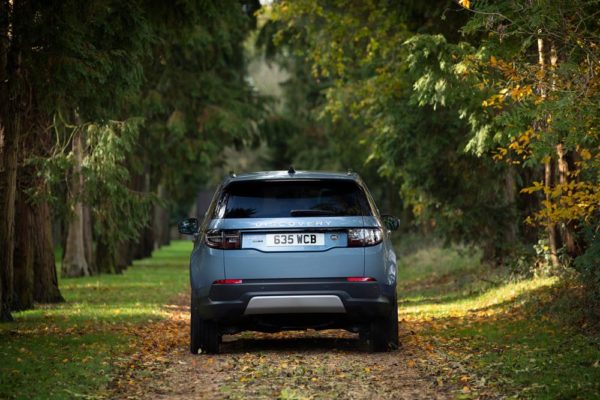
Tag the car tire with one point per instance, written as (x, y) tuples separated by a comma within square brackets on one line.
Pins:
[(194, 330), (210, 339), (394, 342), (383, 332)]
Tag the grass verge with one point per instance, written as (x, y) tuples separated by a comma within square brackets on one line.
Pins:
[(72, 349), (494, 335)]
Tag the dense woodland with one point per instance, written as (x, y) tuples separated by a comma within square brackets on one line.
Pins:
[(476, 121)]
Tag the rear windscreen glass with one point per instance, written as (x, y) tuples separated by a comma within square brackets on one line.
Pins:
[(300, 198)]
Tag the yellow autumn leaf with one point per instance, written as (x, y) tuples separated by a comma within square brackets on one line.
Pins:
[(585, 154), (465, 3)]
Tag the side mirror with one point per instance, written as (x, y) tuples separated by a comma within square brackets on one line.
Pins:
[(391, 223), (188, 226)]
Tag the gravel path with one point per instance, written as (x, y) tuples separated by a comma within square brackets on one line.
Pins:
[(289, 365)]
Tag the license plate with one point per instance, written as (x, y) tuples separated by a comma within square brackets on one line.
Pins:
[(296, 239)]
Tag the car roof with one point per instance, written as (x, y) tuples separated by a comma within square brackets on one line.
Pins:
[(286, 175)]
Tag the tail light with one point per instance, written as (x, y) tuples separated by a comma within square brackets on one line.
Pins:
[(223, 239), (360, 279), (227, 282), (363, 237)]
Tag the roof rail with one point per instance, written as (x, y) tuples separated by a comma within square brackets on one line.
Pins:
[(232, 174)]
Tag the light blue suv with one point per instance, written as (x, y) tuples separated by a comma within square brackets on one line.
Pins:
[(288, 250)]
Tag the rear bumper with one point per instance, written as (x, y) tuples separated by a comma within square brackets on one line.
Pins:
[(235, 304), (295, 304)]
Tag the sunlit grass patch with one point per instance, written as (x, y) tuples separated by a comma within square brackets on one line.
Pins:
[(435, 262), (488, 302), (520, 356), (499, 330), (70, 349)]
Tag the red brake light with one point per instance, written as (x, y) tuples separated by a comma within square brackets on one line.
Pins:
[(363, 237), (360, 279), (227, 282), (223, 239)]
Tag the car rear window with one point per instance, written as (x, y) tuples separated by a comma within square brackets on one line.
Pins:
[(293, 198)]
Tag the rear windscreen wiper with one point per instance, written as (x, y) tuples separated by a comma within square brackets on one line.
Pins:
[(309, 213)]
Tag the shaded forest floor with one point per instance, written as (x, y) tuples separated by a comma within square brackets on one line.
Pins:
[(466, 333), (75, 349), (519, 338)]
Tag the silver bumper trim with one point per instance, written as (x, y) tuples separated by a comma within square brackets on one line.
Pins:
[(294, 304)]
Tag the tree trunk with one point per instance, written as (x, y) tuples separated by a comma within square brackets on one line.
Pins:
[(510, 198), (124, 256), (160, 220), (548, 170), (8, 180), (113, 261), (23, 252), (551, 226), (74, 262), (568, 230), (10, 118), (105, 262), (88, 240), (149, 240), (147, 236), (569, 237), (45, 284), (144, 245)]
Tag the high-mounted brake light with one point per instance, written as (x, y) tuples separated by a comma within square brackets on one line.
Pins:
[(223, 239), (363, 237), (360, 279), (227, 282)]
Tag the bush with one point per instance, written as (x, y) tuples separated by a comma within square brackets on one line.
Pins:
[(588, 265)]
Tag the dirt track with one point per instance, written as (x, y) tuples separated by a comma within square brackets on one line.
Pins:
[(294, 365)]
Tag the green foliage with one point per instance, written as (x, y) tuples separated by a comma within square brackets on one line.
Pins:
[(531, 72), (195, 100), (383, 97), (439, 96), (119, 213), (589, 263), (157, 90), (588, 266), (82, 69), (93, 67), (299, 132)]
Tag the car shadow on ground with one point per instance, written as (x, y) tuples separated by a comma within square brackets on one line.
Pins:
[(277, 343)]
